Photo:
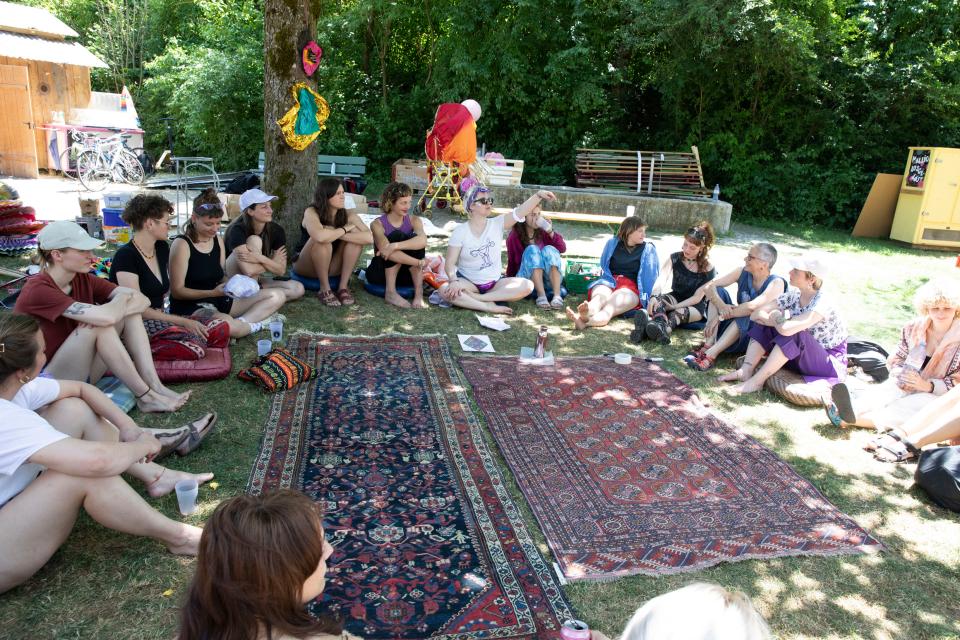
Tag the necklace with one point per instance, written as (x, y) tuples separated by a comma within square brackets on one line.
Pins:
[(144, 253)]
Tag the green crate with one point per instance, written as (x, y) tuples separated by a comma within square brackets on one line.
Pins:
[(580, 273)]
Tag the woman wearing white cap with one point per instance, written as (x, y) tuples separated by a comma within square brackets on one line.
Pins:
[(256, 244), (800, 329), (473, 260), (83, 318)]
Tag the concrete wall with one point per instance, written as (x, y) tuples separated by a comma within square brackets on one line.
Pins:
[(660, 213)]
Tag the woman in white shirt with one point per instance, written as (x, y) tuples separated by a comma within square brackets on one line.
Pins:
[(46, 476), (473, 263)]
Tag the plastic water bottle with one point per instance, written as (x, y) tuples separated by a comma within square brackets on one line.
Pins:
[(716, 193), (916, 357)]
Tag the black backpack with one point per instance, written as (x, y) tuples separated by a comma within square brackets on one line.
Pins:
[(869, 356), (243, 183), (938, 473)]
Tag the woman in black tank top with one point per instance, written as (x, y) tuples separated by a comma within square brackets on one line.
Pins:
[(197, 273)]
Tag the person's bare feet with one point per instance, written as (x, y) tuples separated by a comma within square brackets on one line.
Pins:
[(167, 480), (153, 402), (750, 386), (394, 298), (732, 376), (575, 319), (419, 303), (583, 310), (187, 542), (500, 309)]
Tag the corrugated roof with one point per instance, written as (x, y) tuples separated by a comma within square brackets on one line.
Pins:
[(18, 17), (13, 45)]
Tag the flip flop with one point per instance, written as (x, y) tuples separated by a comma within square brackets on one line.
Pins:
[(841, 398), (169, 442), (199, 429), (543, 303), (833, 415)]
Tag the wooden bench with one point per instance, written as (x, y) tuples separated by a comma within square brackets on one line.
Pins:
[(340, 166), (662, 173)]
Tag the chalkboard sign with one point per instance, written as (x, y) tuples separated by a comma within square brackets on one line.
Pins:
[(917, 171)]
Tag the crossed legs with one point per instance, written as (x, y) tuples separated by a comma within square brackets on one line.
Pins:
[(604, 305), (505, 290)]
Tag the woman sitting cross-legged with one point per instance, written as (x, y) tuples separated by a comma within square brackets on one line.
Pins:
[(399, 247), (47, 476), (533, 252), (257, 245), (926, 365), (728, 323), (677, 295), (142, 265), (937, 421), (331, 241), (800, 329), (197, 274), (262, 560), (474, 254), (629, 269), (91, 325)]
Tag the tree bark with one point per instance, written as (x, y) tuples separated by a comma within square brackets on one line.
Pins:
[(291, 175)]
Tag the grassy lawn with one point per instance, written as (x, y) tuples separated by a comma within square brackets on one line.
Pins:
[(107, 585)]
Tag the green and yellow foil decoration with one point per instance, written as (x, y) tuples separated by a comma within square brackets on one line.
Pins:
[(306, 118)]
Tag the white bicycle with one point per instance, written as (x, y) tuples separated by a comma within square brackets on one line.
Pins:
[(108, 161)]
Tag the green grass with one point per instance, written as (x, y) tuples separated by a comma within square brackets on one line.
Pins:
[(107, 585)]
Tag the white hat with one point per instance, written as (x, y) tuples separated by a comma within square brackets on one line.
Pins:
[(814, 264), (473, 107), (65, 234), (251, 197)]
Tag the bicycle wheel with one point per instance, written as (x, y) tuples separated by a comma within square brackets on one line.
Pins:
[(92, 170), (131, 167), (68, 163), (146, 160)]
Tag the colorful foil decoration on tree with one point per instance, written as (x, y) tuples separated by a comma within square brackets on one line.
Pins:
[(312, 53), (305, 120)]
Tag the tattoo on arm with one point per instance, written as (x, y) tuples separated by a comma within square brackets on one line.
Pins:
[(76, 309)]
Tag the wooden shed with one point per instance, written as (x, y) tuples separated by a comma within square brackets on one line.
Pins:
[(43, 78)]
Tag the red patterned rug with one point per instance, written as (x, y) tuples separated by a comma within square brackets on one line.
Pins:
[(427, 542), (627, 474)]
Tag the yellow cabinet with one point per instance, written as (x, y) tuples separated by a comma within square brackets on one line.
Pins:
[(928, 210)]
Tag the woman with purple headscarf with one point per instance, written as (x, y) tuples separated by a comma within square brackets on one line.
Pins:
[(473, 263)]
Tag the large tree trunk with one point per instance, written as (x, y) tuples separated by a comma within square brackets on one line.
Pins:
[(292, 175)]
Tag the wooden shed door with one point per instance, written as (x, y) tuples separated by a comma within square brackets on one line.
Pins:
[(18, 145)]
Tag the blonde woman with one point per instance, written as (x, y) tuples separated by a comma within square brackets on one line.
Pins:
[(925, 366)]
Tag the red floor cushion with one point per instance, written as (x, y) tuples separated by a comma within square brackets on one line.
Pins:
[(215, 365)]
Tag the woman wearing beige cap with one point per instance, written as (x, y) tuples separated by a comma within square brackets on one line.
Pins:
[(800, 329), (83, 318)]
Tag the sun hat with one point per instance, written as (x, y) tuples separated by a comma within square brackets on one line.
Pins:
[(812, 263), (66, 234), (253, 197)]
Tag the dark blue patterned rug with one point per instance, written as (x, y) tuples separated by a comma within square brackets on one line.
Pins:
[(427, 541)]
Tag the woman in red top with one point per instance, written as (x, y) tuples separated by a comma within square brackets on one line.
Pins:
[(83, 318), (533, 251)]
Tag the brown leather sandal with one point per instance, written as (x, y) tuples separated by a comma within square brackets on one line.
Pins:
[(328, 298), (346, 298)]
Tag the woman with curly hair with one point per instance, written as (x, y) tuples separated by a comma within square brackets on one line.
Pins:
[(925, 366), (678, 295), (262, 560), (399, 247)]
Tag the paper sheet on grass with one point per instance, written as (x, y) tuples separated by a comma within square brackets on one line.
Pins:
[(496, 323), (475, 343)]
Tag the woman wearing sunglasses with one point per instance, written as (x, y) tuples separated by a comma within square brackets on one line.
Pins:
[(678, 298), (473, 261), (197, 276)]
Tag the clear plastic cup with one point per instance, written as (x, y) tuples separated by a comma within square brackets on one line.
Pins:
[(187, 491), (264, 347), (276, 330)]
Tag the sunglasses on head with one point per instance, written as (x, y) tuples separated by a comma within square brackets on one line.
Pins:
[(697, 234), (210, 206), (484, 201)]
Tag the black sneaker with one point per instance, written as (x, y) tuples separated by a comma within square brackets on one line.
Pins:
[(657, 331)]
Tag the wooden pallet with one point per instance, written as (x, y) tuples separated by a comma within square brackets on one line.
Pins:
[(662, 173), (490, 173)]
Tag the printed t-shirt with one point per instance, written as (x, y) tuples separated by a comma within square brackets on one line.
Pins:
[(43, 299), (237, 235), (23, 433), (479, 260), (129, 260)]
